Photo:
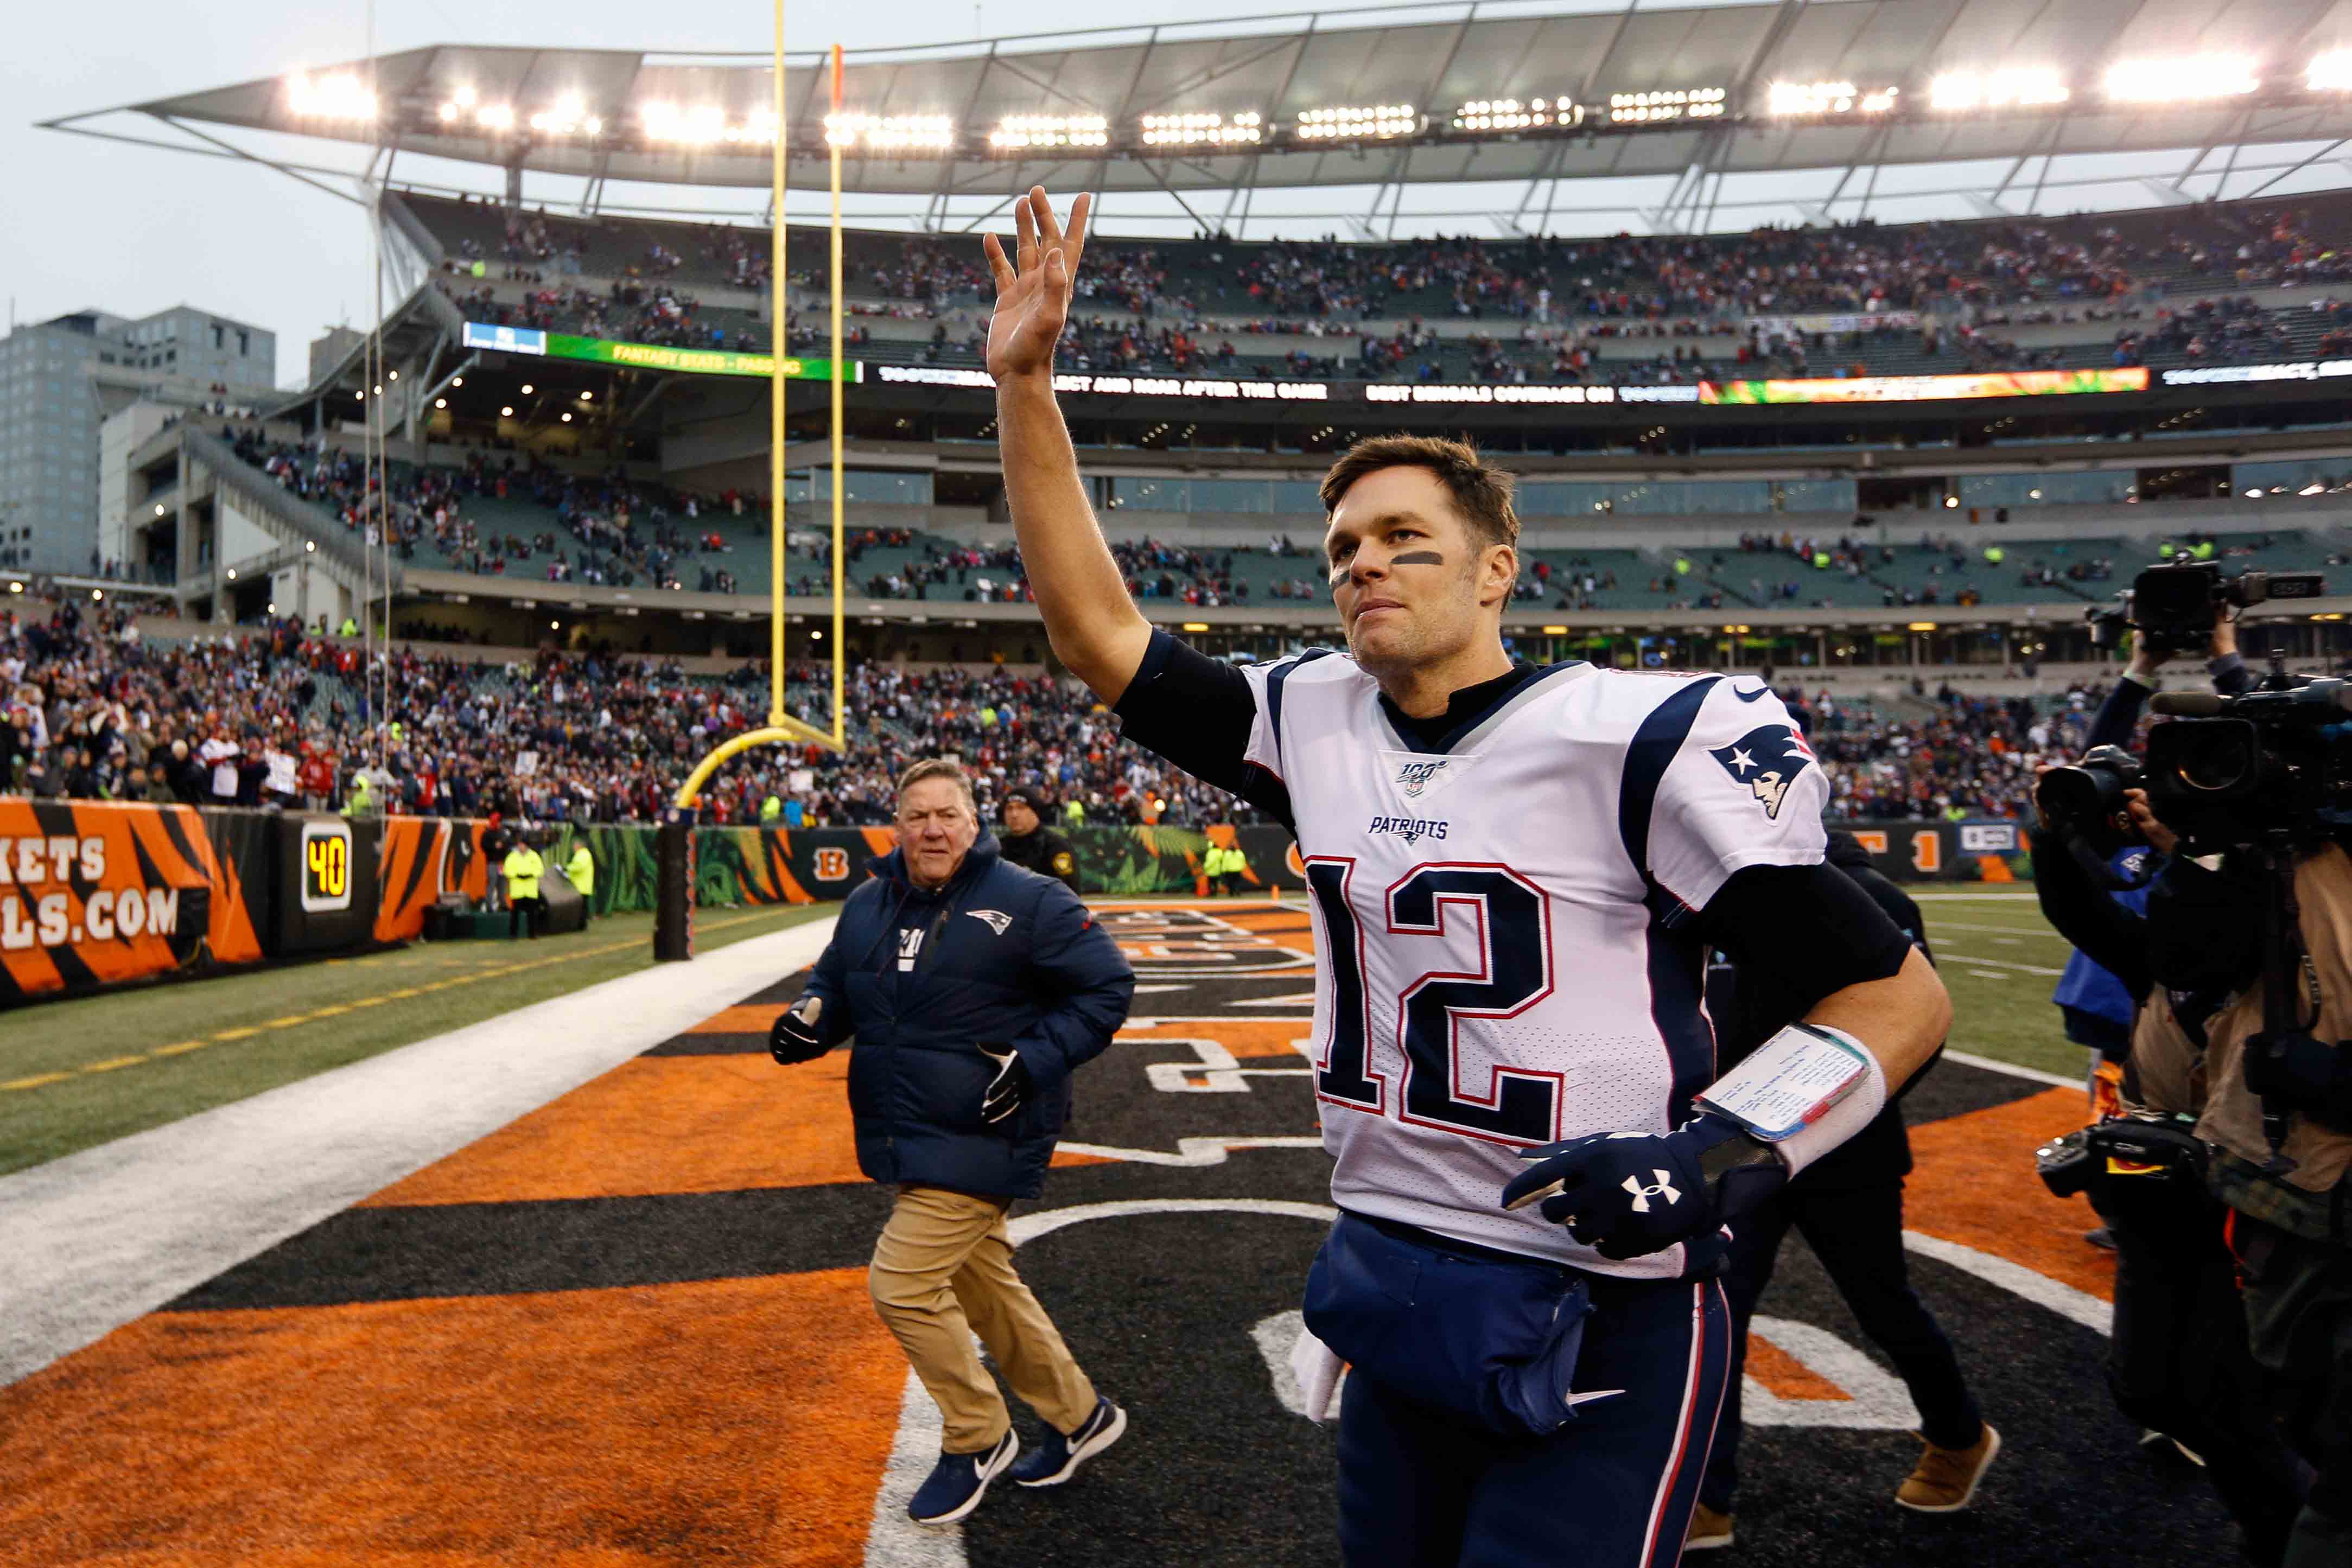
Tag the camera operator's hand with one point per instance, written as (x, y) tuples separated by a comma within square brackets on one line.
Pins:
[(2144, 660), (2306, 1073), (794, 1037), (2161, 838)]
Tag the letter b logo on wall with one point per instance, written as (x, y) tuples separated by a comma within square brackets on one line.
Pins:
[(830, 864)]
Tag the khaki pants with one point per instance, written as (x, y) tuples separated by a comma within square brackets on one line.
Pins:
[(943, 1271)]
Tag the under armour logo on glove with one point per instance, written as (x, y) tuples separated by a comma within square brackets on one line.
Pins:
[(1621, 1194), (1642, 1194)]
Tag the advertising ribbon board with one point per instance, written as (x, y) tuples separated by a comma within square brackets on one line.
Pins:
[(651, 356), (1928, 389)]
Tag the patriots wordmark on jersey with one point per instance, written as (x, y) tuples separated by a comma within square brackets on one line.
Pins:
[(1504, 921)]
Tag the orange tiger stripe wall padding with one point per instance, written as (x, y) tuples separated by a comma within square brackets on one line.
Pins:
[(95, 894)]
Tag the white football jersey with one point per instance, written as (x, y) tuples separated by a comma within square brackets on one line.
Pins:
[(1503, 926)]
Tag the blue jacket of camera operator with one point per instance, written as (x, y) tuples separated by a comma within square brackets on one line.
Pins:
[(1005, 959)]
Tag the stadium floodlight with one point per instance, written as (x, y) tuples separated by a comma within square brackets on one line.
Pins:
[(1352, 123), (2330, 73), (495, 117), (1677, 103), (568, 116), (2014, 87), (1019, 130), (1494, 114), (704, 125), (890, 132), (2185, 79), (1811, 98), (337, 97), (1245, 130)]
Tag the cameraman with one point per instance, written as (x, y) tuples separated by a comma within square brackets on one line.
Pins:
[(2288, 1226), (2097, 1008), (2179, 1361)]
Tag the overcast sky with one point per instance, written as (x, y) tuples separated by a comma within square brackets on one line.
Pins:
[(134, 230)]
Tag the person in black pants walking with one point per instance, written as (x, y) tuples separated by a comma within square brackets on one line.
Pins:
[(1849, 1207)]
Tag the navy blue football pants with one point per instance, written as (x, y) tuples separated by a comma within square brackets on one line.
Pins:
[(1613, 1489)]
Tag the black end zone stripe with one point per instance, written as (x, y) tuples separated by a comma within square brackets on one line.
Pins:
[(577, 1244)]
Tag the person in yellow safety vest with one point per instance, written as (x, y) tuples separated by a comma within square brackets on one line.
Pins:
[(1821, 559), (1682, 566), (1995, 555), (2204, 550), (1955, 812), (580, 871), (357, 803), (1224, 867), (350, 628), (525, 907), (769, 809), (1074, 812)]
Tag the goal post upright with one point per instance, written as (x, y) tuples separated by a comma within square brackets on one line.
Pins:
[(840, 643), (782, 728), (780, 305)]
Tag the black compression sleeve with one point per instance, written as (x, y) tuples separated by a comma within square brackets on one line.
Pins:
[(1810, 928), (1193, 710)]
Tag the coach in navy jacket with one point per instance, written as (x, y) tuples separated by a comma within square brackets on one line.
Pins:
[(974, 990), (1009, 960)]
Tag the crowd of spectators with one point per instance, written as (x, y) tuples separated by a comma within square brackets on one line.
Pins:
[(1973, 757), (604, 529), (281, 715)]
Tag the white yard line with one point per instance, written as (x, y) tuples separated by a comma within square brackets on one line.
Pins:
[(99, 1238), (1952, 958), (2010, 1069), (2043, 931)]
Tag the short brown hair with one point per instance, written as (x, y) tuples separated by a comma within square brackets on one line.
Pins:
[(940, 768), (1481, 492)]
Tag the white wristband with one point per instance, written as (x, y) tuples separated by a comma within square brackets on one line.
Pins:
[(1805, 1090)]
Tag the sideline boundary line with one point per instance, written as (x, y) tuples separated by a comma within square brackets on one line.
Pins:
[(98, 1237)]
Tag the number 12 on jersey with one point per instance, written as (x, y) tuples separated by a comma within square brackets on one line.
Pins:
[(1492, 1101)]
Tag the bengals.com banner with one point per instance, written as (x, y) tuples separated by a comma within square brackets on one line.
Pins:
[(93, 894), (1928, 389)]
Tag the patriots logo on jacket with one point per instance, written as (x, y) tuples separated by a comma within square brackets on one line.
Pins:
[(998, 921), (1767, 760)]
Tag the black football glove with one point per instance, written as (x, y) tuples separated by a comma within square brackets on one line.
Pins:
[(1009, 1090), (1626, 1195), (2309, 1074), (793, 1038)]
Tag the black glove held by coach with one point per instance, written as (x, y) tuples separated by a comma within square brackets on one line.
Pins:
[(2309, 1074), (1009, 1090), (793, 1038)]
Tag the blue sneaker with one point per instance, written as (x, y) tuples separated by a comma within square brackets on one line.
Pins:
[(1058, 1459), (959, 1481)]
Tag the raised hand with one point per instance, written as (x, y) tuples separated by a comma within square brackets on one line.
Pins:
[(1033, 293)]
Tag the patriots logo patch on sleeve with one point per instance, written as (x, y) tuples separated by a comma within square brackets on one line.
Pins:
[(1766, 761)]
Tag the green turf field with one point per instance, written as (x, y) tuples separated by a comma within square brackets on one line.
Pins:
[(2000, 960), (75, 1073)]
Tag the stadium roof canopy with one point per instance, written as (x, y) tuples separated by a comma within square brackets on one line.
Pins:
[(1566, 116)]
